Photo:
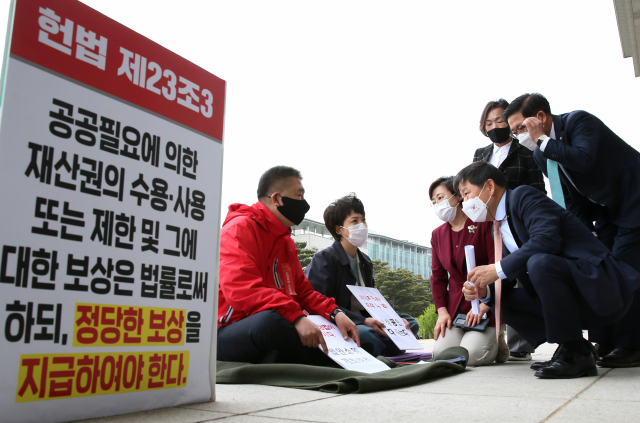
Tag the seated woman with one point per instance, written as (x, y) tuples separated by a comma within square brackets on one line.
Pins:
[(342, 264), (449, 273)]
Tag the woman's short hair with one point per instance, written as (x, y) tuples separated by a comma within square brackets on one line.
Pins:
[(337, 212), (447, 181), (497, 104)]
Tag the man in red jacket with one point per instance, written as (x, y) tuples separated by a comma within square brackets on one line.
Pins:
[(264, 293)]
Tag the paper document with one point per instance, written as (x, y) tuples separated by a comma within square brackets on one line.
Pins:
[(374, 302), (346, 353), (470, 254)]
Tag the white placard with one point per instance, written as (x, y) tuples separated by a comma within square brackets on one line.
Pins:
[(378, 307), (470, 255), (346, 353), (110, 228)]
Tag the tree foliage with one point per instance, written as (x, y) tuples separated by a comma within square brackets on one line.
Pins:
[(427, 322), (304, 254), (406, 292)]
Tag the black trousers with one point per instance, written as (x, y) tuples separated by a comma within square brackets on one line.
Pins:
[(557, 312), (250, 339), (625, 246)]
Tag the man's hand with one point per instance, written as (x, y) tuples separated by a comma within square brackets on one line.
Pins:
[(347, 327), (406, 324), (444, 322), (483, 275), (534, 126), (473, 293), (474, 319), (376, 325), (310, 334)]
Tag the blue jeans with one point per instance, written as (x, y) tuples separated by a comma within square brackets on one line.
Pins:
[(382, 345)]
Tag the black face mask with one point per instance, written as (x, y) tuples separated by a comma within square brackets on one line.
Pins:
[(499, 135), (293, 209)]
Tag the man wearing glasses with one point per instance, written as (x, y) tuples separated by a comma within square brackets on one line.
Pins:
[(599, 174)]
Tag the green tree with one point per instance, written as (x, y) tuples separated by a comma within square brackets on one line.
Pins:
[(304, 254), (406, 292), (427, 322)]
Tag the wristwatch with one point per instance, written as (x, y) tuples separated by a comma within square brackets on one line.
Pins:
[(542, 138), (332, 318)]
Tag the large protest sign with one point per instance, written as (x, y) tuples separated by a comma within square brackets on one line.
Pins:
[(346, 352), (378, 307), (111, 159)]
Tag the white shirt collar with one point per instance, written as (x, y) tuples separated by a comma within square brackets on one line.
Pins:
[(501, 211), (504, 147), (552, 134)]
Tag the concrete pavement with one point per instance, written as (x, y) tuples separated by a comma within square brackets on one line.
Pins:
[(499, 392)]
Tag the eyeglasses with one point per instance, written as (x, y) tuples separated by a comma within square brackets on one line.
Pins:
[(519, 130)]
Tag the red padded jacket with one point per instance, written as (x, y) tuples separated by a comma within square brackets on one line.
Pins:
[(260, 270)]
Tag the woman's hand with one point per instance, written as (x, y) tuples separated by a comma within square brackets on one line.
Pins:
[(474, 319), (444, 322), (376, 325), (406, 324)]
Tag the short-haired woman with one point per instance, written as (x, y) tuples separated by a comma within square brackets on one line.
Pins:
[(342, 264), (449, 273)]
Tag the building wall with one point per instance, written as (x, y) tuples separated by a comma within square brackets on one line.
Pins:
[(403, 257), (400, 254)]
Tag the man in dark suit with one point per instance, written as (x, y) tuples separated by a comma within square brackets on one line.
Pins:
[(571, 280), (600, 176), (519, 168)]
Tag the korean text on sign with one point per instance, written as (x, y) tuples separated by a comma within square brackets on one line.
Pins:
[(57, 376)]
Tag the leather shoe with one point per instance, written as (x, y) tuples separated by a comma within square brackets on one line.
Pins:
[(621, 357), (602, 352), (569, 365), (540, 364)]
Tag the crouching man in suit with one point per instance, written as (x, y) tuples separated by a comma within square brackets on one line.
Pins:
[(571, 280)]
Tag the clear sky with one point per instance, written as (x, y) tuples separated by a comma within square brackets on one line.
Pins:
[(382, 97)]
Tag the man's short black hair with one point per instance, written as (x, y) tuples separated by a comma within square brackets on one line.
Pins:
[(447, 181), (337, 212), (529, 105), (275, 179), (478, 173)]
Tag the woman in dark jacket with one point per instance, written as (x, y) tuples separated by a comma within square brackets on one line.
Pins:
[(449, 273), (342, 264)]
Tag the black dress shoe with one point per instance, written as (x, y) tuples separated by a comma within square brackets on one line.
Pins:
[(602, 351), (569, 365), (621, 357), (540, 364)]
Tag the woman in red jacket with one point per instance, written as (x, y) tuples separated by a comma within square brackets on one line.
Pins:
[(449, 273)]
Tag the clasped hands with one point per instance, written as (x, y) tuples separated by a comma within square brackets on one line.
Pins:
[(481, 276)]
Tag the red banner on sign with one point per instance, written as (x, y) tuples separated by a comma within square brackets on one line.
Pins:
[(76, 41)]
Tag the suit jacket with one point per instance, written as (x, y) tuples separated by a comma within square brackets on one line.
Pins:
[(540, 226), (330, 272), (449, 258), (519, 167), (603, 167)]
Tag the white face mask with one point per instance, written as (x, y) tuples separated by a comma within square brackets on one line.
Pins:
[(357, 234), (475, 208), (444, 211), (526, 141)]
